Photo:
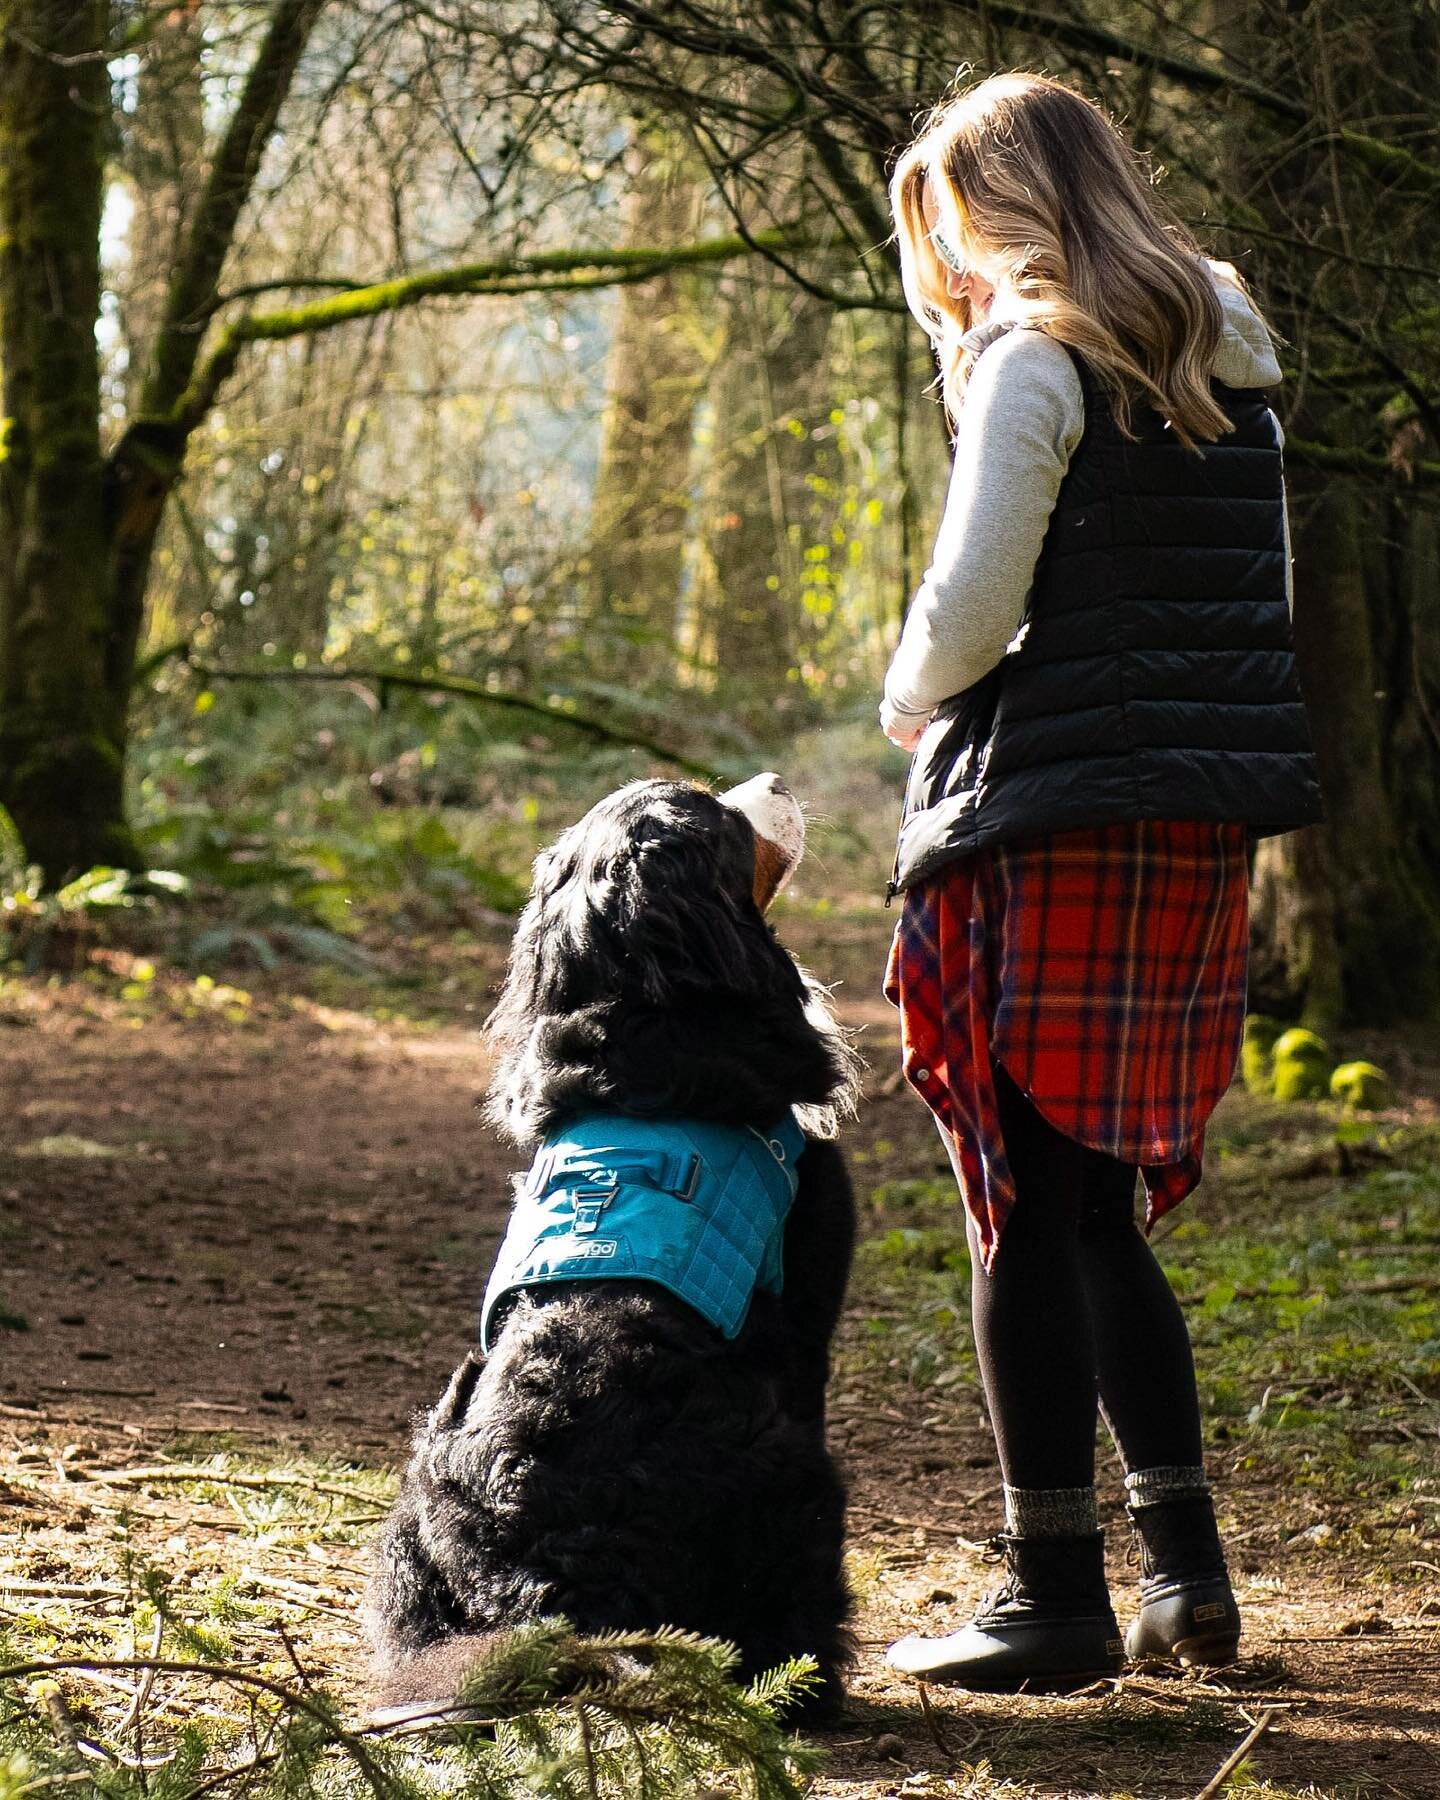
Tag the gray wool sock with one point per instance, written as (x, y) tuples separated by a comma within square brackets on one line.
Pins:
[(1050, 1512), (1151, 1487)]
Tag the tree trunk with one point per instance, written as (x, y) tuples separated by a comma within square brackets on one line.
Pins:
[(62, 732), (759, 563), (1345, 915), (1349, 910), (77, 529), (656, 371)]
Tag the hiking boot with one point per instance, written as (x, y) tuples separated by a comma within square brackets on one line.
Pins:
[(1049, 1628), (1187, 1607)]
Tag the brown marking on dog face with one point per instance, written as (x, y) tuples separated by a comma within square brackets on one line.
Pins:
[(771, 867)]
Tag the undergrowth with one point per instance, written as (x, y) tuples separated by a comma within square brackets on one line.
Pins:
[(635, 1716), (192, 1627), (1305, 1264)]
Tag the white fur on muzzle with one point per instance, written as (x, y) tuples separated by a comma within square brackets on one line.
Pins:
[(775, 814)]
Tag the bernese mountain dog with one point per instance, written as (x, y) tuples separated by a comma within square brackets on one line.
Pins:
[(632, 1449)]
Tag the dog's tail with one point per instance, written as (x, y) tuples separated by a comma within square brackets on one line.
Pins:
[(424, 1686), (428, 1686)]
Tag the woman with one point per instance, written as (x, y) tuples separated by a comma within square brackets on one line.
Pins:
[(1097, 679)]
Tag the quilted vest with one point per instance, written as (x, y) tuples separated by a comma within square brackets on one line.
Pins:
[(698, 1208), (1153, 674)]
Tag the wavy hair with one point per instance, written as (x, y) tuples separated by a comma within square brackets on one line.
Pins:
[(1031, 182)]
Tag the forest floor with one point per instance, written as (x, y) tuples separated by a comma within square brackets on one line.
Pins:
[(245, 1222)]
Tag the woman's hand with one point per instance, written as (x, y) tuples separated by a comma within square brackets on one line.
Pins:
[(902, 730)]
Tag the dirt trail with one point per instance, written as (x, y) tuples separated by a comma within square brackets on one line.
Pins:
[(276, 1226), (284, 1226)]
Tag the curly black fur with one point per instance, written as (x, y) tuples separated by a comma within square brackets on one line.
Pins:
[(615, 1459)]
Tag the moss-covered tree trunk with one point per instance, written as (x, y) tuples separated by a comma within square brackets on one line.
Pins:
[(77, 527), (1347, 913), (62, 723)]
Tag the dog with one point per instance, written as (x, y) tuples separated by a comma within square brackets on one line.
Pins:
[(617, 1457)]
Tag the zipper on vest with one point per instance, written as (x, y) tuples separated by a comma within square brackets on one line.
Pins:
[(892, 886)]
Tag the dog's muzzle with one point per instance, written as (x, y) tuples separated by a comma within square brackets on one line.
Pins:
[(779, 826)]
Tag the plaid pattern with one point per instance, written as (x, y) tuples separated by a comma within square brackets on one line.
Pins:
[(1106, 969)]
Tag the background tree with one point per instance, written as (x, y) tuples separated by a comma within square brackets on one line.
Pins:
[(661, 349), (469, 499), (1287, 147)]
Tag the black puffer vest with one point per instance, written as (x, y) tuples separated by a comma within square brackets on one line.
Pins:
[(1153, 674)]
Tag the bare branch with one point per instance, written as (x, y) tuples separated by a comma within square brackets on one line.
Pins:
[(232, 175), (554, 714)]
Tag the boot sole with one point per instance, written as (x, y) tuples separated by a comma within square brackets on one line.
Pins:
[(1019, 1684)]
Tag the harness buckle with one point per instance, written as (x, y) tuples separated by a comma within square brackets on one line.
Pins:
[(591, 1198), (682, 1177)]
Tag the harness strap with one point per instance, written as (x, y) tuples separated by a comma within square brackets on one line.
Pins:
[(734, 1187)]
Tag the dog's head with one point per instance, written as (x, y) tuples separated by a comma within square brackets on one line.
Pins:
[(644, 978)]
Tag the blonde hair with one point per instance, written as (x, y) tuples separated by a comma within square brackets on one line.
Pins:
[(1031, 181)]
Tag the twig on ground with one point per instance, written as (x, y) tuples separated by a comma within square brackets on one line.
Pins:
[(1239, 1753), (932, 1725), (295, 1662), (1388, 1284), (219, 1478), (61, 1590), (145, 1683), (64, 1725)]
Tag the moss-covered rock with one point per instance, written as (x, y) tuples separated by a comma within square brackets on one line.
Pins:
[(1261, 1032), (1361, 1084), (1301, 1064)]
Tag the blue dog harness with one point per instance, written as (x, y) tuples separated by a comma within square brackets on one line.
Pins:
[(698, 1208)]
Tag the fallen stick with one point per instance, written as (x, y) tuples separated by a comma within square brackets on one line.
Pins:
[(61, 1590), (933, 1725), (1239, 1753), (1393, 1284), (65, 1390), (180, 1472)]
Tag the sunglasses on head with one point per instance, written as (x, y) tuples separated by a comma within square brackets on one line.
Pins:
[(946, 251)]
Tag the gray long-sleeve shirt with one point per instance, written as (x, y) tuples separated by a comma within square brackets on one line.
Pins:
[(1020, 422)]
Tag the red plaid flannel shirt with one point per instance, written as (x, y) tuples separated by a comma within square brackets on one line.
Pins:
[(1106, 969)]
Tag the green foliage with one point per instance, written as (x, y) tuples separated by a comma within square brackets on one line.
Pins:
[(1314, 1350), (1256, 1048), (1301, 1063), (30, 917), (307, 822), (1361, 1084), (630, 1716)]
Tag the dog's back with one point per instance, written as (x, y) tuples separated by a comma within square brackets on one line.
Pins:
[(615, 1461)]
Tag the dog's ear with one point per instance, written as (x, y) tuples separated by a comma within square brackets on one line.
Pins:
[(683, 920), (454, 1403)]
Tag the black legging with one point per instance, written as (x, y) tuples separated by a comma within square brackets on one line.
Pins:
[(1077, 1310)]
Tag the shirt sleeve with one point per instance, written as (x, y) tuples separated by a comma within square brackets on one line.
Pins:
[(1019, 423), (1285, 522)]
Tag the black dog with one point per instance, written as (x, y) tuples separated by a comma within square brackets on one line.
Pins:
[(617, 1459)]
